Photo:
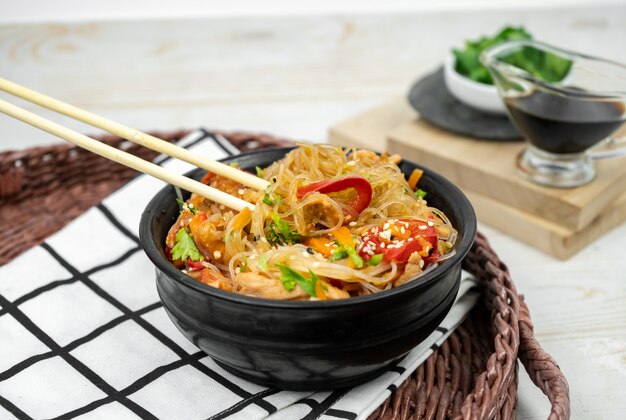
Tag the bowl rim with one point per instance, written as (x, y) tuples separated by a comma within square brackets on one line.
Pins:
[(155, 253)]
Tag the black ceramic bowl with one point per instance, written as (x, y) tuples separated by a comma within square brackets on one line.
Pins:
[(308, 345)]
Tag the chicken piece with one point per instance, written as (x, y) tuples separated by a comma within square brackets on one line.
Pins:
[(321, 211), (257, 285), (333, 292), (413, 268), (215, 279), (209, 238)]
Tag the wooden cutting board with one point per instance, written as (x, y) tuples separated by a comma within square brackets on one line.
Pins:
[(559, 222)]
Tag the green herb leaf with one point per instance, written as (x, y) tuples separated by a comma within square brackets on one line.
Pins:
[(259, 172), (420, 193), (244, 265), (279, 231), (290, 278), (542, 65), (343, 251), (355, 257), (187, 206), (186, 248), (375, 260), (234, 164), (338, 254), (267, 200), (270, 201), (263, 263)]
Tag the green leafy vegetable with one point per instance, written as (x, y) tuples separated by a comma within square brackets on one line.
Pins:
[(343, 251), (270, 201), (234, 164), (376, 259), (338, 253), (279, 232), (542, 65), (186, 248), (420, 193), (187, 206), (259, 172), (290, 278)]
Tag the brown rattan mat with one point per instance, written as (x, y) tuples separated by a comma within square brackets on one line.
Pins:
[(473, 375)]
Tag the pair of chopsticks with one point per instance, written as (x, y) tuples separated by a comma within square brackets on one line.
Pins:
[(134, 136)]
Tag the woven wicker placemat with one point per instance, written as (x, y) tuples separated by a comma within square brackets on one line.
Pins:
[(473, 375)]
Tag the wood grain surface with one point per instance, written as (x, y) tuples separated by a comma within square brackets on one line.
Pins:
[(296, 76)]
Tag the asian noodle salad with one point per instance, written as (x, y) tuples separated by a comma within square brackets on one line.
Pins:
[(333, 224)]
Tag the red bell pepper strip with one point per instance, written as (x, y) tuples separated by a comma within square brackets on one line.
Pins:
[(362, 187)]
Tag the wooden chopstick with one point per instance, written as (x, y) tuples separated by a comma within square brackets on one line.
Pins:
[(122, 157), (133, 135)]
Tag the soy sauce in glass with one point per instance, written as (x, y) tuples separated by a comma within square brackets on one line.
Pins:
[(564, 124)]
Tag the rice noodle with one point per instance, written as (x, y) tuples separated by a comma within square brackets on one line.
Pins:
[(250, 242)]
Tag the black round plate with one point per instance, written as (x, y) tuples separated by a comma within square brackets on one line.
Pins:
[(431, 98)]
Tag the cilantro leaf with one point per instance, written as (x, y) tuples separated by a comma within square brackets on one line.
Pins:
[(290, 278), (185, 248), (279, 231)]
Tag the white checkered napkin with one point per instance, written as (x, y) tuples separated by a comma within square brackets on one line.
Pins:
[(83, 334)]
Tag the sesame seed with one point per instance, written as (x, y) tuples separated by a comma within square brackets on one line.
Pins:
[(382, 245), (241, 191), (352, 224), (217, 255), (351, 163), (182, 223), (410, 239), (421, 263), (310, 250), (422, 227), (386, 226), (222, 207), (430, 224), (264, 239), (402, 230), (305, 254)]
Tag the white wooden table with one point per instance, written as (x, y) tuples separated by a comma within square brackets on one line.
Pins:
[(297, 76)]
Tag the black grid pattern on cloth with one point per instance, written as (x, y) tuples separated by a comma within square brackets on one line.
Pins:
[(121, 396)]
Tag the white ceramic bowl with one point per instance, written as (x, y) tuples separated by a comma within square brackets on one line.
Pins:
[(477, 95)]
